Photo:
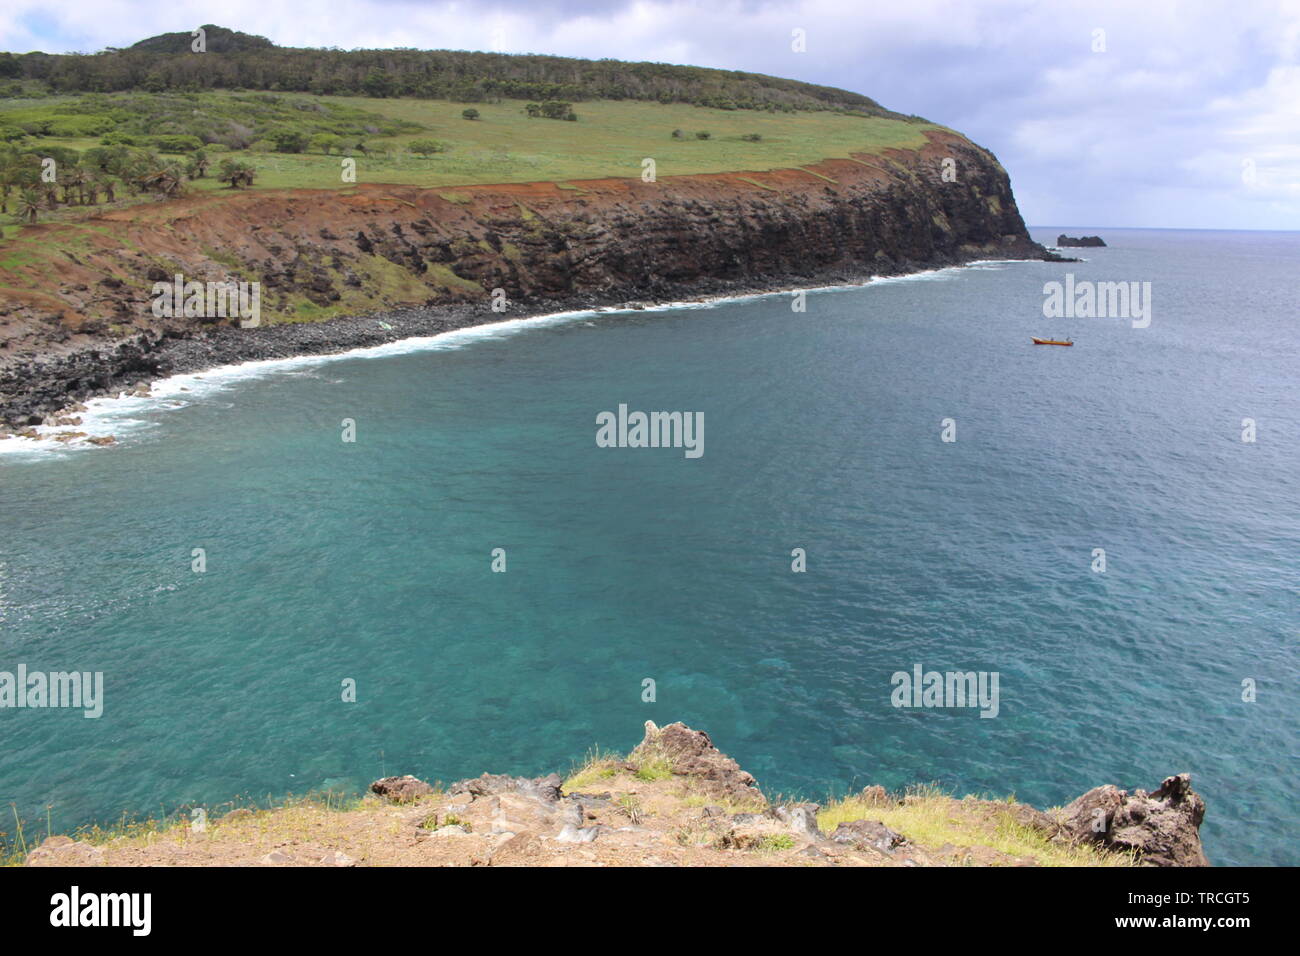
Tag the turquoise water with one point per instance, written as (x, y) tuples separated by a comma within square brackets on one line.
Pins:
[(371, 560)]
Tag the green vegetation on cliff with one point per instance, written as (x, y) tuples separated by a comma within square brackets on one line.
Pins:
[(119, 148)]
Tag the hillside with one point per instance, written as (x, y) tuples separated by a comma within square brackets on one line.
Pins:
[(675, 800), (341, 207)]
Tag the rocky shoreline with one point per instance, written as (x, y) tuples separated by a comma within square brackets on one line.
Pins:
[(376, 263), (48, 391)]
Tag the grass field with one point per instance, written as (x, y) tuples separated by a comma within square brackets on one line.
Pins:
[(505, 145)]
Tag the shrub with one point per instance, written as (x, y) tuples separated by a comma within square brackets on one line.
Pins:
[(326, 143), (469, 114), (703, 134), (79, 125), (551, 109), (772, 842), (289, 140), (426, 147), (176, 143), (654, 768)]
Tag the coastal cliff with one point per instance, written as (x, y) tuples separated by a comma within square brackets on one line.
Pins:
[(75, 306), (675, 800)]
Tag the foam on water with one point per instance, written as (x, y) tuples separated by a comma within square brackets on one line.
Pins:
[(127, 416)]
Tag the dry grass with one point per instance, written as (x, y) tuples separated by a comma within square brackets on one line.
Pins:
[(932, 818), (652, 816)]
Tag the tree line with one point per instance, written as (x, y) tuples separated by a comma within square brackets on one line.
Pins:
[(33, 180), (239, 61)]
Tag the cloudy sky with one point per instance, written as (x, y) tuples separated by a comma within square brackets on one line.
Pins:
[(1168, 113)]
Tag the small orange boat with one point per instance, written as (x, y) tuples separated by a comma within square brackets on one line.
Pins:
[(1038, 341)]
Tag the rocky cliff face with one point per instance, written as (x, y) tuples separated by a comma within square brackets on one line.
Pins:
[(76, 318)]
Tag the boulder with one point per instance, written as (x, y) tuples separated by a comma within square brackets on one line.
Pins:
[(875, 796), (65, 851), (546, 789), (801, 818), (691, 754), (571, 834), (1163, 827), (863, 834), (402, 789)]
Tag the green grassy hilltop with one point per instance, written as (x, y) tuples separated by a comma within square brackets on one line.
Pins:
[(155, 120), (300, 140)]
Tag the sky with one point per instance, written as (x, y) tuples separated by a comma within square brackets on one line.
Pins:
[(1139, 113)]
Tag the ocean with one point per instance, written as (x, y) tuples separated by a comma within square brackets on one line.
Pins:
[(1114, 531)]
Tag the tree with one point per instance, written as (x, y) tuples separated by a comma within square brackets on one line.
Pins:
[(236, 173), (201, 163), (107, 159), (377, 83), (469, 114), (29, 205), (77, 178), (176, 143), (426, 147), (289, 140), (167, 178), (325, 143)]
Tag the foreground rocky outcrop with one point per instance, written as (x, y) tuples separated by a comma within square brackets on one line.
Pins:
[(1162, 828), (675, 800), (76, 315)]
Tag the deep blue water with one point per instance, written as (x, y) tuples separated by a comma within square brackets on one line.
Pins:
[(371, 560)]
